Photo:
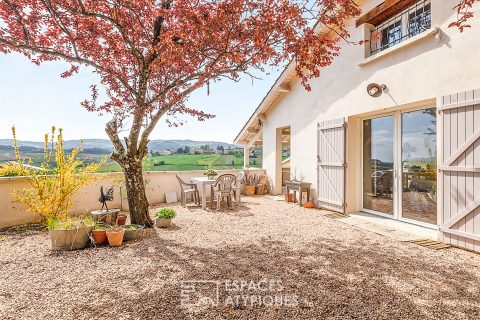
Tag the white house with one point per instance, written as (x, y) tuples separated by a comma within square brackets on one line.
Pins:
[(392, 127)]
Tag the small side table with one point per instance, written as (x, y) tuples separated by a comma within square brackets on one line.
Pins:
[(299, 186)]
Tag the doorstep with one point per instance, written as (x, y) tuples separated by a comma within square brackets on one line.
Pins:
[(398, 230)]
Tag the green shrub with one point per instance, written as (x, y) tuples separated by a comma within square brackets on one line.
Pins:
[(70, 223), (100, 227), (166, 213)]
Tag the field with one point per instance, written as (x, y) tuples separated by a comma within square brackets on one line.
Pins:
[(193, 162), (175, 162)]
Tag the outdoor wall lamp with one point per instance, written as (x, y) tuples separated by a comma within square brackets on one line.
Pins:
[(375, 90)]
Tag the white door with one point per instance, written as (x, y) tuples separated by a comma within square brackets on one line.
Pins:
[(331, 164)]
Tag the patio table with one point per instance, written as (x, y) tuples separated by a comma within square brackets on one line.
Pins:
[(202, 182)]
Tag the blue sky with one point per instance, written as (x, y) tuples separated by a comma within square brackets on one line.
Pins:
[(35, 97)]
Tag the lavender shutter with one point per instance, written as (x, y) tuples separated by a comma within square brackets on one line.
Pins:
[(331, 164), (459, 173)]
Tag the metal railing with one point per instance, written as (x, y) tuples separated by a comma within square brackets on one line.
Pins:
[(402, 26)]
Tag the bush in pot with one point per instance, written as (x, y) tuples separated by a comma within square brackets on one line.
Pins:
[(132, 231), (165, 217), (52, 186), (250, 181), (99, 234), (69, 233)]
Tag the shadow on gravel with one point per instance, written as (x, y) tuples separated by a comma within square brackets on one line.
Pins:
[(331, 280)]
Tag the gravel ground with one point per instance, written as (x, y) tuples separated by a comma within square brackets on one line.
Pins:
[(305, 264)]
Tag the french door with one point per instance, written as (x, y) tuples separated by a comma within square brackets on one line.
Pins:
[(400, 166)]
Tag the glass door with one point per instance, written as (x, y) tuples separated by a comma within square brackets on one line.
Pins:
[(419, 166), (378, 164), (400, 166)]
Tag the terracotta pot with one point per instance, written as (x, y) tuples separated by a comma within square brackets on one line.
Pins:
[(69, 239), (99, 237), (115, 237), (290, 197), (309, 205), (121, 219), (163, 223), (249, 190)]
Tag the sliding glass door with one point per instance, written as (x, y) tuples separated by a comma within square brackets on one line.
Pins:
[(419, 166), (400, 165), (378, 161)]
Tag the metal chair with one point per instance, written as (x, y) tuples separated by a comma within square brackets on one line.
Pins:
[(188, 189), (238, 185), (225, 184)]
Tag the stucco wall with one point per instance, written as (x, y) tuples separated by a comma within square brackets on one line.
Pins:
[(86, 200), (416, 74)]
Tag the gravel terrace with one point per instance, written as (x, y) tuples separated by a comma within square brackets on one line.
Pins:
[(332, 270)]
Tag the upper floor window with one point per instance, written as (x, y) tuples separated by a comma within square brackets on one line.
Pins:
[(403, 25)]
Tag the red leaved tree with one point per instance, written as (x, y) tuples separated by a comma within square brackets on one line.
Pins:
[(465, 12), (152, 54)]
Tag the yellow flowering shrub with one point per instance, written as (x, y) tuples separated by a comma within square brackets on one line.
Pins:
[(53, 184)]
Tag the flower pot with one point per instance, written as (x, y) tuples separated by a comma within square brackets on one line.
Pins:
[(163, 222), (132, 234), (290, 197), (99, 237), (249, 190), (211, 177), (69, 239), (309, 205), (115, 237), (105, 216), (121, 219)]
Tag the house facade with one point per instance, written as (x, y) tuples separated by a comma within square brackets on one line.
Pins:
[(392, 127)]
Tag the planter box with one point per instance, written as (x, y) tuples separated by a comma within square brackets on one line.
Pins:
[(132, 234), (69, 239), (163, 223)]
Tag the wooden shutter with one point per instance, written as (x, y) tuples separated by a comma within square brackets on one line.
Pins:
[(331, 164), (459, 175)]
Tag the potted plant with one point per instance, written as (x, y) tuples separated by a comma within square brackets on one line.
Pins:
[(211, 173), (165, 217), (121, 219), (115, 236), (69, 233), (132, 231), (250, 182), (99, 234)]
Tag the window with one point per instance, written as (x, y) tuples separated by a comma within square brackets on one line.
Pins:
[(402, 26)]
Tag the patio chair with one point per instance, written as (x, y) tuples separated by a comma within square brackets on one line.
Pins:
[(238, 185), (188, 189), (225, 184)]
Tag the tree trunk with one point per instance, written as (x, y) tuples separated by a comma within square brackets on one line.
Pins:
[(137, 199)]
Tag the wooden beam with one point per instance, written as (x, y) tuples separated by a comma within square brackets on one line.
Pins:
[(262, 117), (384, 11), (252, 130), (256, 137), (284, 88)]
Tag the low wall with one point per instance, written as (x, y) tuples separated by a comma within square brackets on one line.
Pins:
[(86, 199)]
